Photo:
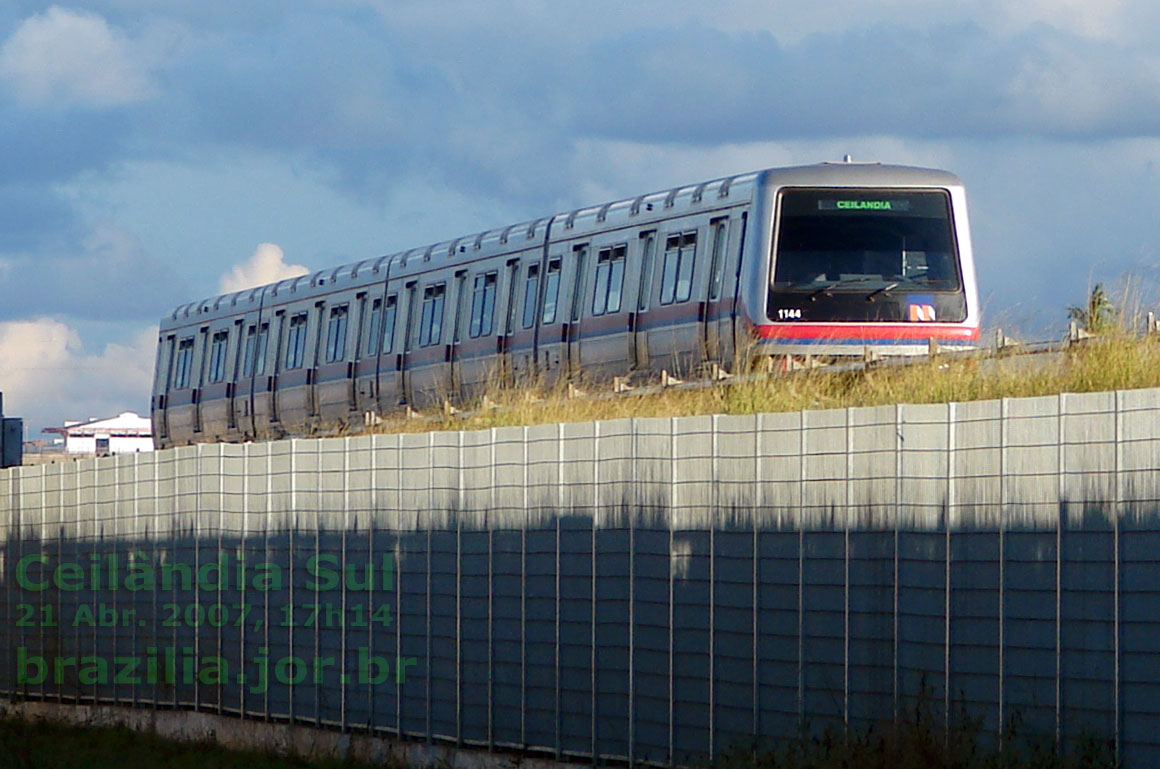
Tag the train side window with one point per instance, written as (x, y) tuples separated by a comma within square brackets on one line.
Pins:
[(183, 363), (431, 321), (336, 333), (531, 293), (720, 228), (483, 305), (296, 341), (677, 270), (609, 279), (648, 255), (217, 356), (581, 253)]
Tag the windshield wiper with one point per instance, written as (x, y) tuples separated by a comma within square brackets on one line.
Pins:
[(829, 288), (884, 290)]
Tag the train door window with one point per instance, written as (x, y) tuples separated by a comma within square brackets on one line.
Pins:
[(431, 322), (217, 356), (238, 351), (581, 255), (531, 294), (460, 301), (512, 293), (609, 279), (296, 341), (336, 334), (170, 347), (677, 270), (685, 267), (183, 364), (720, 229), (251, 347), (409, 330), (281, 321), (648, 255), (551, 291), (389, 323), (260, 349), (483, 305), (374, 327)]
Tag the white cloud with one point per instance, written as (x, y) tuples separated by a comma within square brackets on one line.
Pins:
[(63, 56), (267, 265), (49, 377)]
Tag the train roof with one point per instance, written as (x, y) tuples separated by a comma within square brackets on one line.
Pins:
[(723, 192)]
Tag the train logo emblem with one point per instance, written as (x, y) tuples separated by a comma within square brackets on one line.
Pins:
[(921, 307)]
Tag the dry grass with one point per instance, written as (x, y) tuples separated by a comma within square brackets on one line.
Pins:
[(1110, 362)]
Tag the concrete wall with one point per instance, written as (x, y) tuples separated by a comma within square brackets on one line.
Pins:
[(650, 590)]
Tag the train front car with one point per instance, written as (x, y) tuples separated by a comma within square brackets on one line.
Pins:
[(861, 258)]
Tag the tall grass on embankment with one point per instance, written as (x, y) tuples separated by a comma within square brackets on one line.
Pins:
[(920, 740), (925, 742), (1108, 362), (44, 744)]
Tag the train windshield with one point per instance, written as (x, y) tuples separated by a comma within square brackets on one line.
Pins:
[(864, 241)]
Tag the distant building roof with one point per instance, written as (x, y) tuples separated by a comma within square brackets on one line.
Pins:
[(127, 424)]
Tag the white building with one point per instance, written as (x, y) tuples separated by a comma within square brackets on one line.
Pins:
[(123, 434)]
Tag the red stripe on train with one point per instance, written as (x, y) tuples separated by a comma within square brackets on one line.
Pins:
[(866, 331)]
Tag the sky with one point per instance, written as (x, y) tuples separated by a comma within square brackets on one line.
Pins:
[(154, 152)]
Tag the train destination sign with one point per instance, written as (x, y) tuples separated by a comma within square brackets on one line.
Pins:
[(863, 205)]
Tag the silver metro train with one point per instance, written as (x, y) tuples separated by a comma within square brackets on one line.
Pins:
[(827, 259)]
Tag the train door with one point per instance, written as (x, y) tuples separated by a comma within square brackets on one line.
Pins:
[(476, 353), (215, 399), (427, 364), (363, 366), (162, 377), (572, 334), (294, 380), (181, 395), (403, 361), (714, 312), (335, 378), (388, 390), (314, 362), (234, 366), (263, 368), (200, 356), (250, 331), (366, 359), (277, 366), (638, 322), (510, 363), (674, 323), (455, 338), (608, 337), (523, 302), (549, 322), (726, 288)]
